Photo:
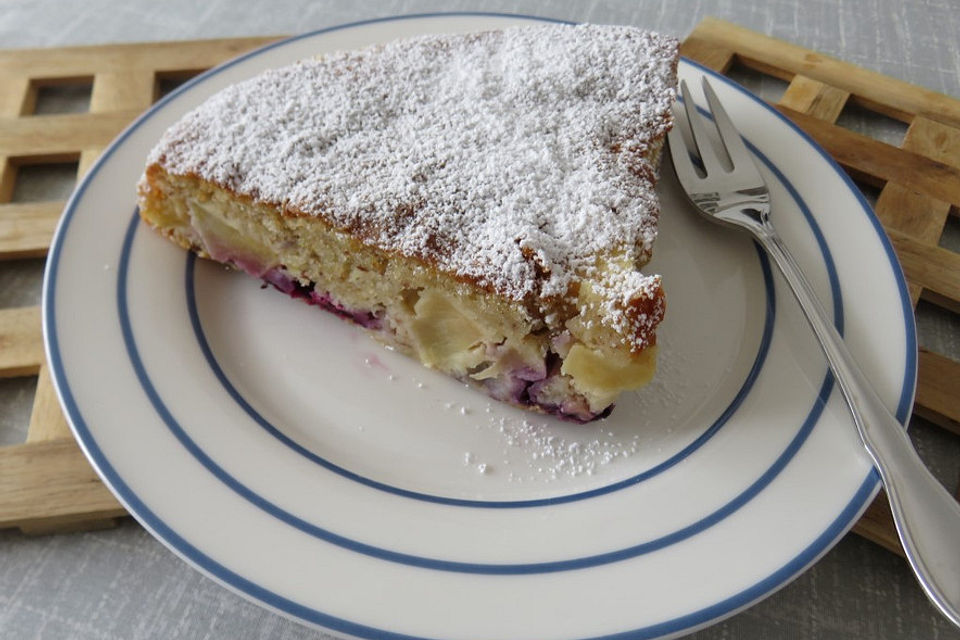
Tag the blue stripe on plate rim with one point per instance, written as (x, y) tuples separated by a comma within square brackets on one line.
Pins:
[(562, 565), (458, 566), (204, 563)]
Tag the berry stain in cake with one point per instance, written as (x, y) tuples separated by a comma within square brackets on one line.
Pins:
[(535, 449)]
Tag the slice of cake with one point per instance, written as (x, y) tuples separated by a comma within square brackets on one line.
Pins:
[(482, 202)]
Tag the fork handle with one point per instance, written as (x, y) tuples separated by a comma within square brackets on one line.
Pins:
[(926, 516)]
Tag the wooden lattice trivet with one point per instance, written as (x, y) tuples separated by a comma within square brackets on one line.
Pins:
[(46, 484)]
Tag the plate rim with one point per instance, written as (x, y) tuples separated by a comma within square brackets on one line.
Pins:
[(713, 517), (263, 597)]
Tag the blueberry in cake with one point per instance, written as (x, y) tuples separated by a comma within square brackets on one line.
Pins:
[(482, 202)]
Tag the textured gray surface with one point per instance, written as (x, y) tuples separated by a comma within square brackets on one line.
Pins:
[(122, 584)]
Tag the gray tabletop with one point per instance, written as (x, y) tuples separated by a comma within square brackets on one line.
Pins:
[(121, 583)]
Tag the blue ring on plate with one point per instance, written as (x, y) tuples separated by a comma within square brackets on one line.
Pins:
[(457, 566), (448, 565), (257, 417), (227, 577)]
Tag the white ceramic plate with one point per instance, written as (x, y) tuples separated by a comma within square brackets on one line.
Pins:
[(291, 458)]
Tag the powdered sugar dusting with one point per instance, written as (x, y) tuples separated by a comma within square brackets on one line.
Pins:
[(551, 456), (511, 158)]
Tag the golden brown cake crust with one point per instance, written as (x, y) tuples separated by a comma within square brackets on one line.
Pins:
[(520, 161)]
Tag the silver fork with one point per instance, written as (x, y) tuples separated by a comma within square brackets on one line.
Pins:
[(734, 194)]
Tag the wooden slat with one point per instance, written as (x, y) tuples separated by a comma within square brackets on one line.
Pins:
[(707, 53), (877, 525), (814, 98), (66, 524), (122, 91), (51, 481), (26, 228), (892, 97), (933, 268), (60, 137), (938, 390), (46, 420), (18, 95), (934, 140), (950, 304), (915, 292), (912, 213), (157, 56), (87, 159), (900, 206), (882, 161), (21, 342), (8, 177)]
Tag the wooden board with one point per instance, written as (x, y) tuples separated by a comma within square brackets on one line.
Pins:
[(46, 484)]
